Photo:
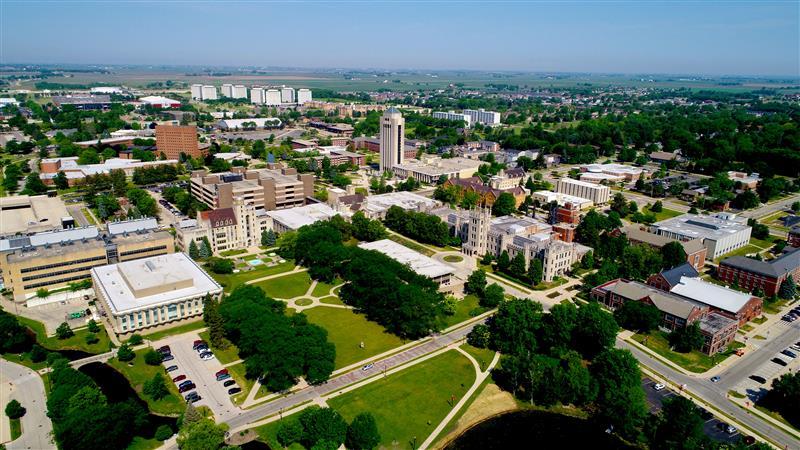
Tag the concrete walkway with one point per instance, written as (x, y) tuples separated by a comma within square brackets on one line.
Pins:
[(27, 387)]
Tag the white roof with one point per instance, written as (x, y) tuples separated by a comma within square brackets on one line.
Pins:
[(132, 226), (403, 199), (294, 218), (418, 262), (49, 237), (711, 294), (148, 282), (158, 100)]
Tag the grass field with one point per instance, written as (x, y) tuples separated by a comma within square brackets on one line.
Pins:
[(332, 300), (465, 310), (16, 428), (225, 356), (663, 214), (693, 361), (231, 280), (237, 371), (484, 356), (185, 328), (744, 251), (140, 443), (141, 372), (323, 289), (453, 258), (774, 307), (411, 244), (347, 330), (76, 342), (763, 243), (408, 405), (233, 252), (288, 286)]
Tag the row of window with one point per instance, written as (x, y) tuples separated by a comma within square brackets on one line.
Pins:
[(62, 264), (60, 272), (166, 313), (144, 250), (52, 282)]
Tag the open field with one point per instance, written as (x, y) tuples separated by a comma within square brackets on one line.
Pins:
[(465, 310), (289, 286), (138, 373), (230, 281), (484, 356), (409, 404), (347, 330), (663, 214)]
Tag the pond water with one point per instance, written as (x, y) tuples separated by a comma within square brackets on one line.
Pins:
[(255, 262), (534, 430), (117, 389)]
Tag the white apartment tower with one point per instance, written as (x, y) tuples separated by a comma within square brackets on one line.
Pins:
[(484, 117), (209, 92), (392, 139), (287, 95), (239, 91), (257, 95), (272, 97), (197, 92), (227, 90), (303, 96)]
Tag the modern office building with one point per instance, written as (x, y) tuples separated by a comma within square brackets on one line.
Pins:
[(440, 273), (392, 139), (452, 115), (595, 173), (287, 95), (53, 259), (272, 97), (721, 233), (157, 101), (597, 193), (751, 274), (249, 123), (153, 292), (25, 214), (174, 140), (545, 197), (303, 96), (271, 188), (483, 117)]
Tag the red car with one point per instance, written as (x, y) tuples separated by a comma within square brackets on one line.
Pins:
[(221, 372), (179, 378)]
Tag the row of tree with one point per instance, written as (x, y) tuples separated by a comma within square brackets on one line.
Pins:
[(419, 226), (325, 428)]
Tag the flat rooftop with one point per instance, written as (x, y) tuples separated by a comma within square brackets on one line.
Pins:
[(436, 166), (154, 281), (294, 218), (418, 262), (711, 294), (403, 199), (30, 214), (701, 226), (562, 199)]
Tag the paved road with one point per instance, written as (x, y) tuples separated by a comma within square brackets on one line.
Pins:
[(710, 393), (342, 381), (29, 391), (771, 207)]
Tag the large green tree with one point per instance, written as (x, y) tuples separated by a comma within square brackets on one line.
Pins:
[(620, 399), (362, 433)]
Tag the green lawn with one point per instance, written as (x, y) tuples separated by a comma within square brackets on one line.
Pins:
[(408, 405), (140, 372), (237, 371), (484, 356), (76, 342), (288, 286), (233, 252), (226, 356), (232, 280), (323, 289), (185, 328), (268, 433), (763, 243), (140, 443), (16, 428), (693, 361), (332, 300), (744, 251), (411, 244), (465, 310), (774, 307), (453, 258), (663, 214), (347, 330)]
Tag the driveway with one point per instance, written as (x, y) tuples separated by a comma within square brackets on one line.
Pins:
[(26, 386)]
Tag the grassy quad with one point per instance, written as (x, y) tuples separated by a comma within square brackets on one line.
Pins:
[(466, 309), (408, 405), (346, 330), (139, 373), (232, 280), (323, 289), (484, 356), (289, 286), (664, 214)]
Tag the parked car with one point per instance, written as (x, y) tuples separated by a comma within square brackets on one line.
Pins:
[(758, 379), (658, 386), (234, 390), (171, 368), (228, 383), (194, 399), (221, 372), (198, 343), (179, 378), (202, 348), (165, 349), (790, 354), (722, 425), (789, 318), (730, 429), (795, 347), (206, 356), (714, 379), (186, 388), (223, 376), (185, 383), (779, 362), (167, 357)]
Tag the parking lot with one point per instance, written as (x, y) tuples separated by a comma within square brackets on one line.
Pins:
[(212, 392), (769, 369), (712, 426)]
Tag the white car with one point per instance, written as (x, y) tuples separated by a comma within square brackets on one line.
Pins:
[(206, 356), (658, 386)]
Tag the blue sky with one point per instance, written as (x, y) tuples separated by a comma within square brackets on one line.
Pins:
[(694, 37)]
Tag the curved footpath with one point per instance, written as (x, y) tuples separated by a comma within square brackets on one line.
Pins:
[(28, 389)]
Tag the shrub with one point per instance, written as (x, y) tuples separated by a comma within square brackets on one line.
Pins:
[(163, 432), (93, 326), (91, 339), (289, 432), (14, 410), (153, 357), (125, 353), (135, 339), (64, 331)]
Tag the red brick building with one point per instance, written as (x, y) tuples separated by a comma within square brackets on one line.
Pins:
[(751, 274), (172, 140), (794, 236)]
